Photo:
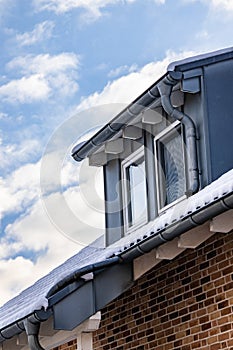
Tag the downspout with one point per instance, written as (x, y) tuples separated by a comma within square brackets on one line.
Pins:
[(165, 89), (32, 331)]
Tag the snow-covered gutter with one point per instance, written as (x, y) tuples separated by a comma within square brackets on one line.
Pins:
[(82, 272), (154, 239)]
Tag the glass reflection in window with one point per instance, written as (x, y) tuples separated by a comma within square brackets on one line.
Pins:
[(135, 192)]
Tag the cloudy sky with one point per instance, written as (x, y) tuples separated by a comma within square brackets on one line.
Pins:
[(66, 66)]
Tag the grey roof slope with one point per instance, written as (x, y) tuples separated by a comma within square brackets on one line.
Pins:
[(34, 297)]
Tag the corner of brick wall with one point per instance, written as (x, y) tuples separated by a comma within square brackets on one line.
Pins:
[(183, 304)]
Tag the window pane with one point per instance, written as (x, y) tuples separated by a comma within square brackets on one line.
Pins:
[(137, 210), (172, 177)]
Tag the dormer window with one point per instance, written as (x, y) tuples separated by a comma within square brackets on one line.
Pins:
[(149, 153), (170, 166), (134, 190)]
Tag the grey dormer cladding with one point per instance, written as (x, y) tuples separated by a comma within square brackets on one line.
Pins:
[(203, 78), (197, 93)]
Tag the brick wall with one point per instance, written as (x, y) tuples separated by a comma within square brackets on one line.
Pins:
[(71, 345), (183, 304)]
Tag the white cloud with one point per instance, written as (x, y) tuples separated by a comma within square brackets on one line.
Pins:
[(42, 31), (43, 75), (19, 189), (37, 231), (122, 70), (68, 212), (17, 153), (93, 7), (44, 217), (127, 88), (26, 89), (21, 269), (60, 6), (224, 5), (44, 64), (45, 234)]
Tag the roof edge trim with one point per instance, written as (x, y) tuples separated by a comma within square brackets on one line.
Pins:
[(201, 59)]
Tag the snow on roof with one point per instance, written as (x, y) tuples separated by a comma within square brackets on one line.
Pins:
[(34, 297)]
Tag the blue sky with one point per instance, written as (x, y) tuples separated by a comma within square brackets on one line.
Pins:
[(66, 66)]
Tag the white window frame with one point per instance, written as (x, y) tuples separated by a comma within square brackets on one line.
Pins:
[(163, 133), (125, 191)]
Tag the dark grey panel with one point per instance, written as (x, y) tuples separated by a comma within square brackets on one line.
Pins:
[(191, 85), (75, 308), (150, 179), (219, 86), (113, 201), (191, 73), (92, 296), (112, 282)]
